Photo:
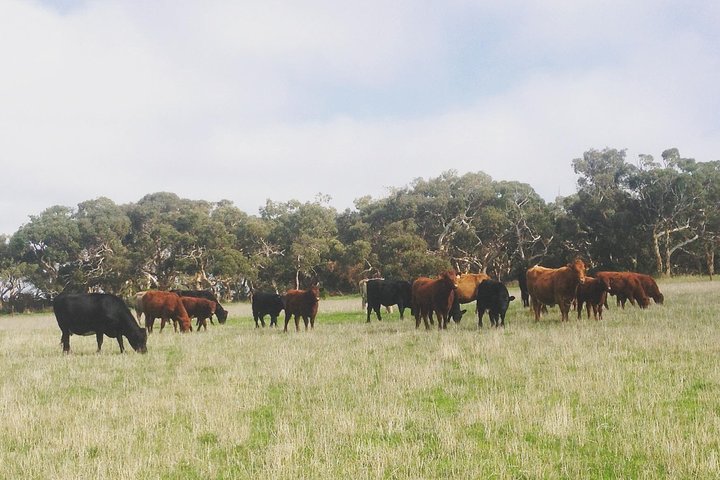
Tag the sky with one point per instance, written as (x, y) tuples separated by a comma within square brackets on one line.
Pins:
[(256, 100)]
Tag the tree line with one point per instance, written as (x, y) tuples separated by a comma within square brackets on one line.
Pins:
[(654, 216)]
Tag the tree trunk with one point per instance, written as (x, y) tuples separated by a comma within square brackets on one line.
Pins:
[(667, 254), (710, 260), (656, 250)]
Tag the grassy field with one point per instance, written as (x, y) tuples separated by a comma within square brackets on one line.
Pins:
[(636, 395)]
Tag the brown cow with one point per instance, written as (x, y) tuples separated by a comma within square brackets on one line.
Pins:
[(467, 284), (592, 292), (625, 286), (303, 303), (436, 296), (650, 286), (165, 305), (550, 286), (199, 308)]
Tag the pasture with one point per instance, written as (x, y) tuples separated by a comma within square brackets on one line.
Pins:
[(636, 395)]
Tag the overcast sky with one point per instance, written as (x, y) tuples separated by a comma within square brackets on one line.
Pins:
[(250, 100)]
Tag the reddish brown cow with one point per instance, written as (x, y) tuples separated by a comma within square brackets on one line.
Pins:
[(165, 305), (467, 284), (650, 286), (550, 286), (625, 286), (436, 296), (303, 303), (592, 292), (199, 308)]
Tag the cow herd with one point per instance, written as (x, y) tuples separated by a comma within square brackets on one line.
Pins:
[(427, 298), (569, 285)]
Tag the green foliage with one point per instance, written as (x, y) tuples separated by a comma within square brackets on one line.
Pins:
[(651, 216)]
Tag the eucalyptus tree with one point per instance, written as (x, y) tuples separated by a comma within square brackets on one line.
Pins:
[(670, 200), (155, 242), (50, 242), (102, 262), (306, 233), (404, 254), (708, 175), (607, 230)]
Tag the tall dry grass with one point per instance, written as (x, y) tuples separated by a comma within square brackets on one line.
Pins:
[(632, 396)]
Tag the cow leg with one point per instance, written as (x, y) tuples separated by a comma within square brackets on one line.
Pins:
[(65, 340), (297, 323), (480, 312), (312, 322), (120, 342), (99, 337), (565, 311), (369, 309), (149, 322), (536, 305), (163, 321), (287, 320), (305, 321), (255, 317)]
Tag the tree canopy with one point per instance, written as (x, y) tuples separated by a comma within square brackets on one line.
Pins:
[(659, 217)]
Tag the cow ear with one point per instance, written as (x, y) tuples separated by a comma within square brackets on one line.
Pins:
[(512, 297)]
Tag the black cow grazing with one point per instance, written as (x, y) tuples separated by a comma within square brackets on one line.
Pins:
[(493, 296), (99, 314), (455, 313), (387, 293), (266, 304), (220, 312)]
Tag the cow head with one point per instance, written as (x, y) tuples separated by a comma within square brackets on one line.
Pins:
[(221, 314), (456, 314), (578, 266), (450, 278), (502, 303), (139, 342), (605, 283), (315, 291)]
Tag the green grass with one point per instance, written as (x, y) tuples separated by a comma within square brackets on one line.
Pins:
[(636, 395)]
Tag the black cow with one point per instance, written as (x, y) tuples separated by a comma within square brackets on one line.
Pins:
[(522, 283), (266, 304), (387, 293), (99, 314), (493, 296), (220, 312)]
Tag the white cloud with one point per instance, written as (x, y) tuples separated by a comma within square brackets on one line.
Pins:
[(220, 100)]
